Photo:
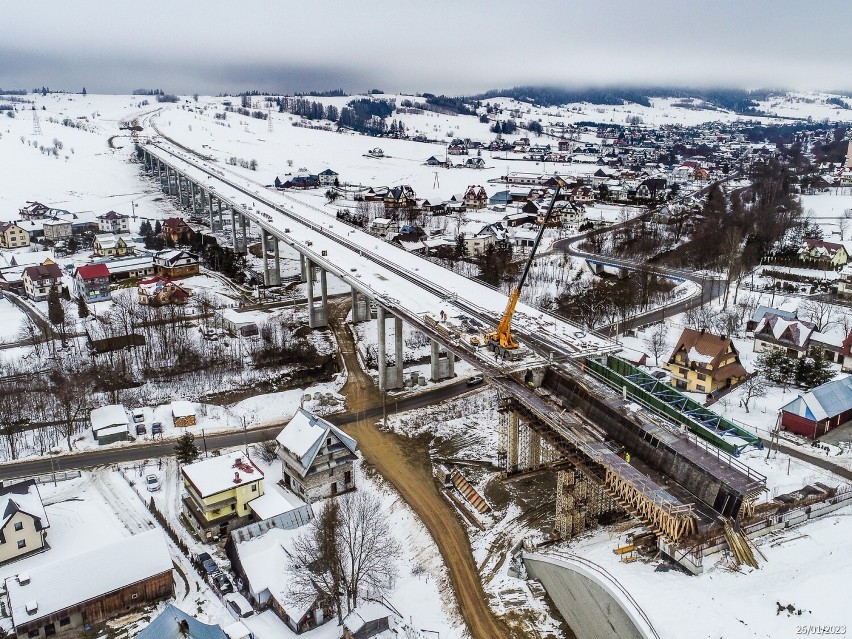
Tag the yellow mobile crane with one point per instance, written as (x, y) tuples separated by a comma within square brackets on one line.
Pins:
[(502, 336)]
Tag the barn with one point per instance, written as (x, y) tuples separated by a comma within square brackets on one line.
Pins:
[(108, 582), (819, 410)]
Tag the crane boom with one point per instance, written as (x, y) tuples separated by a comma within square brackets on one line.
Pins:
[(502, 336)]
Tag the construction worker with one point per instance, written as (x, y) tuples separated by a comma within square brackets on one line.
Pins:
[(627, 457)]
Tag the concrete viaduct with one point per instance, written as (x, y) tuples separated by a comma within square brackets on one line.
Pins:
[(547, 401)]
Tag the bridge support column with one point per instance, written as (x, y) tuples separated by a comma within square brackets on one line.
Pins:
[(191, 197), (219, 207), (179, 181), (534, 451), (512, 437), (244, 229), (400, 365), (317, 315), (234, 231), (276, 263), (210, 209), (263, 244), (360, 307), (303, 270), (441, 367), (382, 357)]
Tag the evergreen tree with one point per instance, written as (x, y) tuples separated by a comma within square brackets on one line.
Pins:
[(82, 308), (186, 451), (55, 312), (84, 90), (145, 228), (158, 228)]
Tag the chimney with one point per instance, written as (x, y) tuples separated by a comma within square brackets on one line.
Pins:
[(237, 479)]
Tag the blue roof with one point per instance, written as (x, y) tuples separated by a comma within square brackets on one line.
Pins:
[(825, 401), (166, 626)]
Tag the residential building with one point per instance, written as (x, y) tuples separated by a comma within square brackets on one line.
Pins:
[(791, 336), (761, 311), (161, 291), (67, 598), (34, 211), (115, 223), (400, 197), (822, 251), (38, 280), (844, 284), (704, 363), (176, 263), (55, 230), (476, 244), (475, 197), (132, 266), (13, 236), (327, 177), (245, 324), (24, 527), (91, 282), (316, 457), (262, 563), (176, 230), (110, 245), (110, 424), (820, 410), (651, 189), (219, 490)]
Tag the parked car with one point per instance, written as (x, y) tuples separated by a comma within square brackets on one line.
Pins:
[(138, 415), (239, 605), (157, 428), (222, 583), (202, 557), (210, 566), (473, 381), (141, 429), (152, 483)]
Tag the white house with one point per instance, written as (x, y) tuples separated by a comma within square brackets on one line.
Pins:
[(113, 222)]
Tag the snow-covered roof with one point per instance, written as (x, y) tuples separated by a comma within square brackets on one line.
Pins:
[(760, 311), (165, 626), (265, 562), (59, 585), (23, 497), (824, 401), (109, 416), (305, 433), (217, 474), (113, 430), (695, 356), (183, 408), (272, 503)]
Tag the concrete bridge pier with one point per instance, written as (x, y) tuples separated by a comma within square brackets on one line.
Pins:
[(317, 315), (390, 377), (303, 269), (443, 367), (360, 307), (210, 210), (244, 227), (237, 241), (219, 208), (276, 263), (264, 242)]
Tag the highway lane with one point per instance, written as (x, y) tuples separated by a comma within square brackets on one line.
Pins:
[(215, 441)]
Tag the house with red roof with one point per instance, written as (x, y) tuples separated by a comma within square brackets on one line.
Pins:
[(823, 251), (176, 230), (91, 282)]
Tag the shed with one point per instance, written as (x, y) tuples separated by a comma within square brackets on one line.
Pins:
[(110, 424), (819, 410), (183, 413)]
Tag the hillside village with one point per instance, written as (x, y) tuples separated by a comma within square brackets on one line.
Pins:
[(141, 324)]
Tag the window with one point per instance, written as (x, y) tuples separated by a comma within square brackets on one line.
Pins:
[(19, 525), (700, 388), (233, 506), (50, 630), (34, 633), (22, 543), (684, 371), (254, 488), (702, 376), (65, 621)]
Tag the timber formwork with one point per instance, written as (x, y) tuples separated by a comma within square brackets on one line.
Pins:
[(580, 503)]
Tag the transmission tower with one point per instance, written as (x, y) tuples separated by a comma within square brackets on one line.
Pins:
[(437, 183), (36, 123), (269, 121)]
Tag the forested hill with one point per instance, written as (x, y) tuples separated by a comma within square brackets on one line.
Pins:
[(737, 100)]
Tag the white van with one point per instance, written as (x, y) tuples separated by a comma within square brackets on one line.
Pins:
[(238, 605)]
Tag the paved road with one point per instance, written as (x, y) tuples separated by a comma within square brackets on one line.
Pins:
[(150, 450)]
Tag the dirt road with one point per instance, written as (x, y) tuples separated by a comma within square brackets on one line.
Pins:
[(405, 463)]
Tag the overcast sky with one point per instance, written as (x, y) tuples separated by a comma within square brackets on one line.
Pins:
[(439, 46)]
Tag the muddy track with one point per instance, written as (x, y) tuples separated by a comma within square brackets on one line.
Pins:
[(405, 464)]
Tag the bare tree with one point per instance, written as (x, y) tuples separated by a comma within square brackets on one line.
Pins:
[(349, 551), (819, 312), (753, 388), (72, 397), (655, 340)]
